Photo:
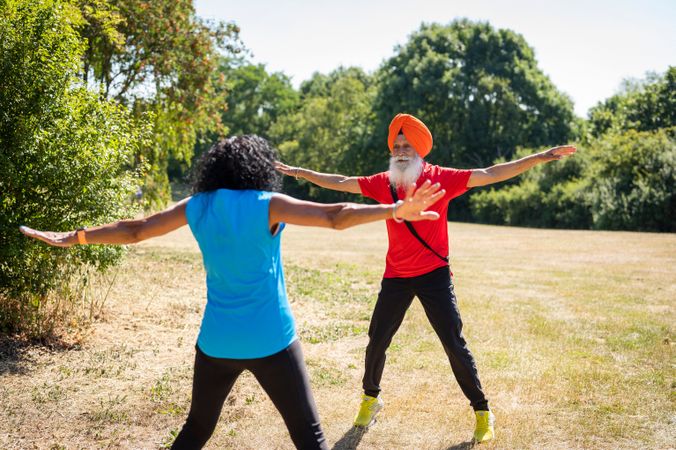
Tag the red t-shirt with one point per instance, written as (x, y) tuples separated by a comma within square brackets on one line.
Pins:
[(406, 256)]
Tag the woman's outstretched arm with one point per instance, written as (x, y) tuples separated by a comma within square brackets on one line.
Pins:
[(344, 215), (121, 232)]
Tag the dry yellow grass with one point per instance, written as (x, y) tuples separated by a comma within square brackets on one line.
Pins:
[(572, 332)]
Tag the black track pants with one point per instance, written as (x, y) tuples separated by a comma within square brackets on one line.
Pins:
[(282, 376), (435, 291)]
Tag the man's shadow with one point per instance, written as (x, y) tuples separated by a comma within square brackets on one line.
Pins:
[(354, 435), (462, 446), (350, 439)]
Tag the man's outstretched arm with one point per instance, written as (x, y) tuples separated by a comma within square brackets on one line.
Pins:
[(505, 171), (325, 180)]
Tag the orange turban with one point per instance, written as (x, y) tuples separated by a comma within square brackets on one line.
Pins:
[(415, 131)]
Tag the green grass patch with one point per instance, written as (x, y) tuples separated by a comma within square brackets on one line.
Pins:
[(314, 334), (335, 285), (324, 374)]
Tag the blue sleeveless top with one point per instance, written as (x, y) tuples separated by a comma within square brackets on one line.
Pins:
[(247, 313)]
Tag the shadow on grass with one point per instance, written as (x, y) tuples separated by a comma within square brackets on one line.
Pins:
[(17, 355), (350, 439), (13, 356), (462, 446)]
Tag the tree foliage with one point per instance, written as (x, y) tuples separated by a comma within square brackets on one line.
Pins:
[(477, 88), (255, 99), (332, 129), (643, 105), (550, 196), (160, 57), (631, 181), (622, 178)]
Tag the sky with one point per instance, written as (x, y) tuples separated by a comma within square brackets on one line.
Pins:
[(586, 47)]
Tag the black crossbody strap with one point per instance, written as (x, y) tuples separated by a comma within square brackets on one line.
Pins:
[(415, 234)]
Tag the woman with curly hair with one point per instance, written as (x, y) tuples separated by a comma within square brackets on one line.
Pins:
[(237, 218)]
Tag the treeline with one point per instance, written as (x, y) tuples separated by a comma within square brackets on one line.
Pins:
[(476, 87), (622, 178), (481, 93), (103, 101)]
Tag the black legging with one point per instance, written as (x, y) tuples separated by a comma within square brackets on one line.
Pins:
[(282, 376), (435, 291)]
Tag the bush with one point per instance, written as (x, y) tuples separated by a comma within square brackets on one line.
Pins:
[(65, 163), (546, 196), (631, 181)]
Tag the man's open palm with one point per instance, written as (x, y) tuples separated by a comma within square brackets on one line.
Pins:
[(560, 152)]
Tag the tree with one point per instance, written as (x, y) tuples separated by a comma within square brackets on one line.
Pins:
[(643, 105), (478, 89), (159, 57), (621, 179), (255, 98), (65, 160), (631, 181), (550, 196), (331, 130)]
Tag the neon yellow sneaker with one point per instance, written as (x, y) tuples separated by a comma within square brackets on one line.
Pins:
[(369, 409), (485, 426)]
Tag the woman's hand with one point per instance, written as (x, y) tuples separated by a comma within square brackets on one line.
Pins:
[(53, 238), (412, 208)]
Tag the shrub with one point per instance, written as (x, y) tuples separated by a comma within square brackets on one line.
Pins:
[(546, 196), (64, 163), (631, 181), (617, 182)]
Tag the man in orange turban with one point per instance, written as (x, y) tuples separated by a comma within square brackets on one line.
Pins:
[(417, 263), (415, 132)]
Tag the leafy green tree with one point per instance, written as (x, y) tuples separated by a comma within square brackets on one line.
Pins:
[(159, 57), (621, 179), (477, 88), (643, 105), (319, 85), (617, 182), (331, 130), (255, 98), (551, 196), (65, 159)]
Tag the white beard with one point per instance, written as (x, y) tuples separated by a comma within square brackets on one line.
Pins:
[(405, 171)]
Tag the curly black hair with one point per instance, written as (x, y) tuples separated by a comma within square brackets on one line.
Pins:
[(239, 162)]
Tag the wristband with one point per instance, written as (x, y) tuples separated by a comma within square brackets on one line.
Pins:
[(394, 211), (81, 238)]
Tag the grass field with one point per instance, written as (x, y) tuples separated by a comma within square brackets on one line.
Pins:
[(572, 332)]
